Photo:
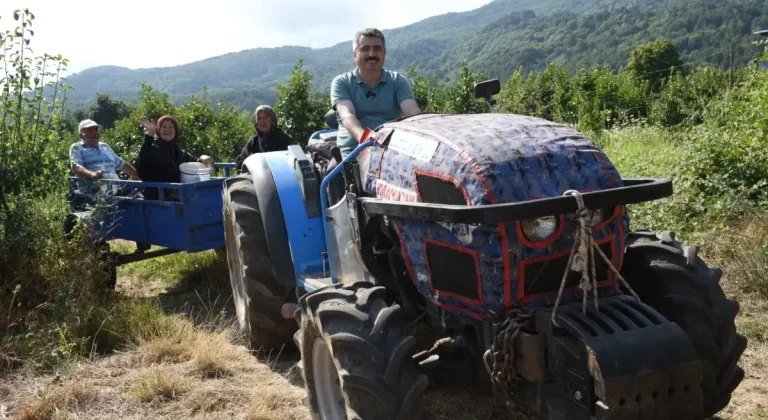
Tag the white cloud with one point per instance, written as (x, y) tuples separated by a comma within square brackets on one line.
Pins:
[(157, 33)]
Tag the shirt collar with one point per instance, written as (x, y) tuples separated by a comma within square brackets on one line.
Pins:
[(382, 80), (82, 142)]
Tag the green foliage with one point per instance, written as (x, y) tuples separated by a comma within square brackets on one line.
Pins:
[(218, 131), (701, 30), (52, 294), (461, 96), (429, 96), (654, 61), (30, 134), (106, 111), (729, 162), (299, 110)]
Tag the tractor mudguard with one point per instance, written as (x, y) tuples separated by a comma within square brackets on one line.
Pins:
[(296, 241)]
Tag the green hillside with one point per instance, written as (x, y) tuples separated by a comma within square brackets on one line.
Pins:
[(495, 39), (702, 30)]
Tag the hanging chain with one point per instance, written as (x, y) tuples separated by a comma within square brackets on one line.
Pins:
[(500, 358)]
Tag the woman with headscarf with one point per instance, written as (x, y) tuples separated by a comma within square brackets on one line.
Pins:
[(160, 154), (268, 138)]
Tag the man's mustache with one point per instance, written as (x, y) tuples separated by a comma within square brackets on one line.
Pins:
[(372, 59)]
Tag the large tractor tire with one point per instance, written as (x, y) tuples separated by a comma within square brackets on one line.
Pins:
[(257, 295), (672, 279), (356, 357)]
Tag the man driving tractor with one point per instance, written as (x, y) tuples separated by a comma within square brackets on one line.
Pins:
[(369, 95)]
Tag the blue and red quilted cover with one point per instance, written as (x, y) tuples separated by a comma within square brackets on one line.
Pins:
[(489, 159)]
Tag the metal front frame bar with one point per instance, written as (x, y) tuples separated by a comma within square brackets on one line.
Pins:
[(635, 190)]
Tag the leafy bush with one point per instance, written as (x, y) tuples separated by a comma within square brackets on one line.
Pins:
[(299, 110), (30, 114), (219, 131), (727, 162), (53, 298)]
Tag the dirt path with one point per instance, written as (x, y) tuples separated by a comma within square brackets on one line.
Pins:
[(198, 373)]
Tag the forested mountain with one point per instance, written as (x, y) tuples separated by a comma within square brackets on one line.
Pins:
[(702, 30), (495, 39)]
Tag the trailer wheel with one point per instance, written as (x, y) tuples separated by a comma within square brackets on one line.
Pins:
[(100, 248)]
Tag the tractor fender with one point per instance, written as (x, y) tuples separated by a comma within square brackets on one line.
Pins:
[(294, 231)]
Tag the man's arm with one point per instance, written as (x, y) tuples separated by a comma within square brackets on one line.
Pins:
[(405, 97), (121, 165), (130, 170), (409, 107), (341, 100), (76, 162), (346, 111), (85, 173)]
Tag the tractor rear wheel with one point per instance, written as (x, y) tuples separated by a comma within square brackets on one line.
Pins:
[(356, 357), (257, 295), (672, 279)]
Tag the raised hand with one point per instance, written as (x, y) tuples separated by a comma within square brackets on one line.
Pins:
[(149, 126)]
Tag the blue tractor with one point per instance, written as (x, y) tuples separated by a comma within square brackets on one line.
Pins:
[(510, 236)]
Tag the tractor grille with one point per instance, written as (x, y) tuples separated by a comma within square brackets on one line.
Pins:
[(454, 271)]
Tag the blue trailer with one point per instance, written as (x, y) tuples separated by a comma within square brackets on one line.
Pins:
[(190, 222)]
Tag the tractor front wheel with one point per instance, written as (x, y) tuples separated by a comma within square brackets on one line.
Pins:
[(356, 357), (672, 279)]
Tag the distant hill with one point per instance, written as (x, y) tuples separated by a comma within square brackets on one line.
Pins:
[(704, 31), (495, 39)]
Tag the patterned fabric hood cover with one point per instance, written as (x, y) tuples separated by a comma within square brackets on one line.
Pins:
[(489, 159)]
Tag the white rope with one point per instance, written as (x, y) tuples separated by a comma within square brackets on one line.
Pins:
[(582, 259)]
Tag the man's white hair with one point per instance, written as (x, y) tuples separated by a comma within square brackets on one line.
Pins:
[(369, 32)]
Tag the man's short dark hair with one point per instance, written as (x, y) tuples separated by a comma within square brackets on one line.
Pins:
[(369, 32)]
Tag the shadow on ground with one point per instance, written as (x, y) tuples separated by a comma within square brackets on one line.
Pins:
[(202, 292)]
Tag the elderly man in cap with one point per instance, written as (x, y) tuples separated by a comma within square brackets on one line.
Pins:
[(92, 159)]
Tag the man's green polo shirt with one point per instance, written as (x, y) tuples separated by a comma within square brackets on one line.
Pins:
[(373, 106)]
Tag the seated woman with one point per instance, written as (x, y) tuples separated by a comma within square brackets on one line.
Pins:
[(268, 138), (160, 155)]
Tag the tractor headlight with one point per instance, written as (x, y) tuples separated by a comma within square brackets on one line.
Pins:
[(537, 230)]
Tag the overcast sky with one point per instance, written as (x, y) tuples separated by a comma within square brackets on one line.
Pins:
[(157, 33)]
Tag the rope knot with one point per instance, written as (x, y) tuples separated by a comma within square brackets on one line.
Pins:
[(582, 214), (582, 258)]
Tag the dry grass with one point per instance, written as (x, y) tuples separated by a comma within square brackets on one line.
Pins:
[(184, 373), (161, 384), (274, 398), (52, 402)]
